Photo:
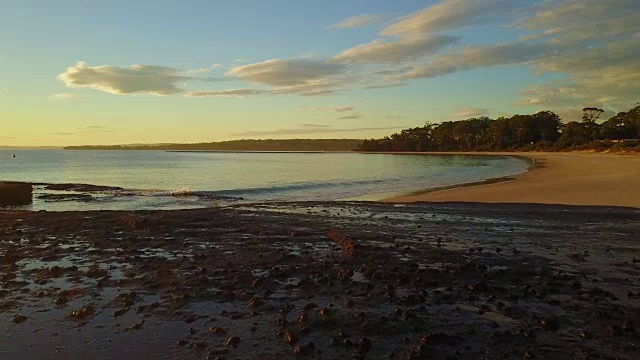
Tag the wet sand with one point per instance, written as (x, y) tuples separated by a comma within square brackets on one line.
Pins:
[(322, 281), (557, 178)]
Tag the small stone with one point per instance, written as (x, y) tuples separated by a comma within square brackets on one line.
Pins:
[(325, 312), (19, 319), (216, 330), (83, 312), (233, 341), (253, 302), (136, 326), (288, 337), (119, 312), (305, 349), (61, 300), (550, 324)]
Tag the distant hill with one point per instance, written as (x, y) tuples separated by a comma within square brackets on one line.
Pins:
[(30, 147), (240, 145)]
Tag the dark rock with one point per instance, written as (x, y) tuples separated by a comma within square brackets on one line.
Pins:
[(80, 187), (307, 349), (288, 337), (119, 312), (324, 312), (66, 197), (61, 300), (83, 312), (136, 326), (550, 324), (216, 330), (19, 319), (253, 302), (15, 194), (233, 341)]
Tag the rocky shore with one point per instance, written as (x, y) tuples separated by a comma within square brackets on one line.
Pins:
[(322, 280), (15, 194)]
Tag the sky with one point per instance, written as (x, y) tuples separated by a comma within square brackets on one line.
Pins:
[(76, 72)]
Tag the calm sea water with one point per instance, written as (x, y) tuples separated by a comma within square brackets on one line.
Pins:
[(154, 178)]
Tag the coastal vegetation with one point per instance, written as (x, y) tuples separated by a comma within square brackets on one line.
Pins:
[(241, 145), (543, 131)]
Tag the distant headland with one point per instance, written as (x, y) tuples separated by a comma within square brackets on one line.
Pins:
[(306, 145)]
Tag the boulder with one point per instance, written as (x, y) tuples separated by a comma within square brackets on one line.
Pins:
[(14, 193)]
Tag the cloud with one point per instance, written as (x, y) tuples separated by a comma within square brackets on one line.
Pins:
[(145, 79), (314, 126), (394, 117), (575, 21), (310, 131), (598, 52), (304, 77), (240, 93), (595, 45), (297, 76), (403, 49), (358, 21), (292, 72), (592, 46), (313, 88), (350, 117), (473, 57), (467, 112), (202, 70), (330, 109), (238, 61), (62, 96), (384, 86), (449, 15), (85, 130)]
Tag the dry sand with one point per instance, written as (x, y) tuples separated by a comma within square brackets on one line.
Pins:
[(558, 178)]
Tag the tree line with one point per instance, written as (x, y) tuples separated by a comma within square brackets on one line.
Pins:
[(241, 145), (543, 131)]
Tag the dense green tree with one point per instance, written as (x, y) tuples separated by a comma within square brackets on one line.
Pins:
[(541, 131)]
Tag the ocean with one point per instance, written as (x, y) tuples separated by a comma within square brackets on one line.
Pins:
[(175, 180)]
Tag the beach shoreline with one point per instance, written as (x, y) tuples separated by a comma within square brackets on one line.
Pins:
[(576, 178)]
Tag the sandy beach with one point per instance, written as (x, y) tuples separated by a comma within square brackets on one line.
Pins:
[(557, 178)]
